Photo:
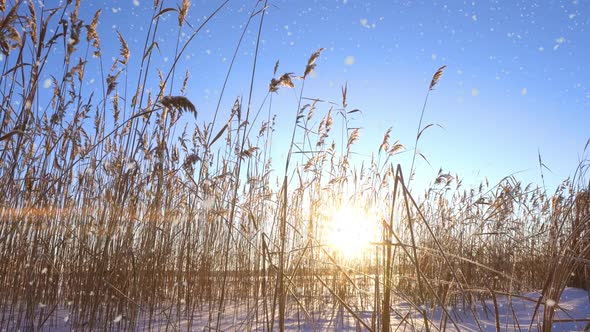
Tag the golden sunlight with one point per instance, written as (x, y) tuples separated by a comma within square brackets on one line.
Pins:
[(351, 231)]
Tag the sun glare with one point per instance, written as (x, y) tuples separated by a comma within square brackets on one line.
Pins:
[(350, 232)]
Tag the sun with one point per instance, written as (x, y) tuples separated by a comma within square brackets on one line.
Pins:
[(350, 232)]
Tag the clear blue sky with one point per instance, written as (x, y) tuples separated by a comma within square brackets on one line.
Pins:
[(517, 78)]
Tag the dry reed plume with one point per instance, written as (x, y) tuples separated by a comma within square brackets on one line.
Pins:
[(114, 214)]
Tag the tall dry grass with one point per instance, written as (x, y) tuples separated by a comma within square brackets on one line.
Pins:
[(114, 214)]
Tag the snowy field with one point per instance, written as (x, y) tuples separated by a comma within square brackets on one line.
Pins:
[(515, 314)]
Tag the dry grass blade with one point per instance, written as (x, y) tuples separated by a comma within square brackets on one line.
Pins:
[(262, 10), (344, 95), (424, 129), (424, 158), (178, 102), (164, 11), (436, 77), (10, 134)]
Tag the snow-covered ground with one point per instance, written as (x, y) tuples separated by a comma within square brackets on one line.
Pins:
[(515, 313)]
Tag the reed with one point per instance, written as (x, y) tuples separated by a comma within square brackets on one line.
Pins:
[(118, 212)]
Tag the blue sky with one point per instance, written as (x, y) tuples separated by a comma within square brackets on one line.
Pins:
[(516, 80)]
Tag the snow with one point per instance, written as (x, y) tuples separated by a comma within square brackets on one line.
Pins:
[(349, 60), (47, 83), (515, 314)]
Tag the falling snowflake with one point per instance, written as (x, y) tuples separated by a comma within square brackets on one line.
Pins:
[(208, 203), (349, 60), (118, 319), (130, 166), (47, 83), (136, 3), (474, 92), (559, 41), (523, 91)]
